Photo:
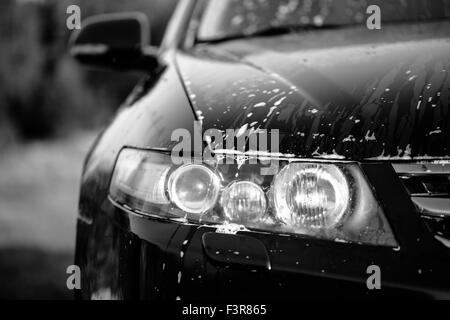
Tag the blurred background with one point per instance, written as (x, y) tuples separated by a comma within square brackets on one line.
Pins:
[(51, 110)]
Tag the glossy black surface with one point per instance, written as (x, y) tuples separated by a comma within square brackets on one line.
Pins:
[(356, 97), (346, 93), (235, 250)]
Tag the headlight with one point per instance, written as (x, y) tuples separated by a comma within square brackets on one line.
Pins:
[(139, 179), (194, 188), (311, 196), (244, 202), (331, 201)]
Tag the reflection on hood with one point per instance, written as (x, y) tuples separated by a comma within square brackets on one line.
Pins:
[(359, 98)]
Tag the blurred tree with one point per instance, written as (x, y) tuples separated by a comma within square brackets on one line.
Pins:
[(43, 92)]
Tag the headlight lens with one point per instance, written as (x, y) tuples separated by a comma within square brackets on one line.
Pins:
[(311, 196), (331, 201), (244, 202), (194, 188), (138, 179)]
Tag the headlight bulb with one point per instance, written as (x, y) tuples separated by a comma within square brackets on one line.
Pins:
[(311, 196), (244, 202)]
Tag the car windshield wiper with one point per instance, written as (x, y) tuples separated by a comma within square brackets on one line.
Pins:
[(273, 31)]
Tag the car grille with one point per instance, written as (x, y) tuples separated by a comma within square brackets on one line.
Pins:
[(429, 187)]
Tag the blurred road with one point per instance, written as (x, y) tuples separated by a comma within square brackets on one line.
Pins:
[(39, 187)]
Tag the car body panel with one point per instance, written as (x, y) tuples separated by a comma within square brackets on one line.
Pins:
[(360, 98)]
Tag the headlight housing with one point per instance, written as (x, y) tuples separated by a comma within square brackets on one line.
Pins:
[(324, 200)]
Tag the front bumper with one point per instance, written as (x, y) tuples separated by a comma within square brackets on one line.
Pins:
[(134, 257)]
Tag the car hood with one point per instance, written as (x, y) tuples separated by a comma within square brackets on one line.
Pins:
[(347, 94)]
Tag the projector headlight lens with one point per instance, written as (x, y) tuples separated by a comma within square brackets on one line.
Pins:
[(194, 188)]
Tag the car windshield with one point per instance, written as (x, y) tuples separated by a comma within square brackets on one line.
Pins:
[(224, 19)]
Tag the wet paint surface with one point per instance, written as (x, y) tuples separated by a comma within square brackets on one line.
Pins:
[(371, 100), (351, 101)]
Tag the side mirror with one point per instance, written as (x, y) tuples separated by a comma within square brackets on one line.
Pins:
[(116, 41)]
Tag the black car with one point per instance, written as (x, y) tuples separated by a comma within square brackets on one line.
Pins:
[(274, 150)]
